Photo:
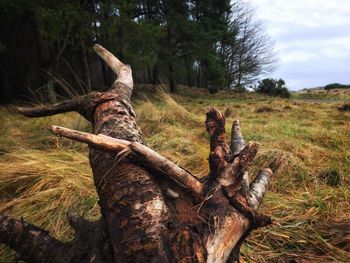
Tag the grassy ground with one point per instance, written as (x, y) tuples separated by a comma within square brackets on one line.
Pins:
[(319, 94), (306, 142)]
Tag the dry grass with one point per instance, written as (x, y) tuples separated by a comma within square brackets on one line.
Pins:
[(42, 177)]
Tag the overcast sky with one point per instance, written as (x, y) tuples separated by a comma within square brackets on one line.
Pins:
[(312, 40)]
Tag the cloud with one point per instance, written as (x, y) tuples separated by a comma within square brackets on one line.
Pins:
[(312, 40)]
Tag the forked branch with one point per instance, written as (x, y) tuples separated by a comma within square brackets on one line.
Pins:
[(225, 167)]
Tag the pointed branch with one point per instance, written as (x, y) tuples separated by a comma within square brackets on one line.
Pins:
[(99, 141), (66, 106), (237, 144), (32, 243), (152, 158), (123, 72), (259, 187), (115, 64), (237, 140), (85, 105)]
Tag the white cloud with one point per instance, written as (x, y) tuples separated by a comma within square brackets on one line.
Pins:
[(312, 39)]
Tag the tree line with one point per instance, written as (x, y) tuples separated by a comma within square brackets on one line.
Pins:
[(203, 43)]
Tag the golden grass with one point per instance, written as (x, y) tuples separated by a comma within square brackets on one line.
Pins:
[(42, 177)]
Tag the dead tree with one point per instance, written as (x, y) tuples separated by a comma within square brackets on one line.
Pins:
[(152, 210)]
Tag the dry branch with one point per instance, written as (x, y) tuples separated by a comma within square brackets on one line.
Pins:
[(123, 72), (31, 243), (237, 144), (153, 159), (259, 187), (85, 105), (237, 141), (66, 106), (143, 218), (226, 168)]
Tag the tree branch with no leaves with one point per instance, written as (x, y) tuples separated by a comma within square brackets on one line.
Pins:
[(152, 158)]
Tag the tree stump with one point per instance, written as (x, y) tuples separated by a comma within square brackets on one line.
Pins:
[(152, 210)]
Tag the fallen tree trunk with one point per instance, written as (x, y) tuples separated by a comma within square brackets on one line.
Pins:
[(152, 210)]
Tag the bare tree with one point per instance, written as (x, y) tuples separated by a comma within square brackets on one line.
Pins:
[(251, 54), (152, 210)]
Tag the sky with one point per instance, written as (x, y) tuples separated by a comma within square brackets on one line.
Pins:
[(312, 40)]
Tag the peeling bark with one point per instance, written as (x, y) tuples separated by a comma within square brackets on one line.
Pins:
[(146, 216)]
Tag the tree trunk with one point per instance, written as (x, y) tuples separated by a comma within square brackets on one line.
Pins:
[(85, 62), (152, 210), (172, 80), (188, 71), (155, 75)]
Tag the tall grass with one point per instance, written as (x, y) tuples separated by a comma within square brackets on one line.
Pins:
[(42, 177)]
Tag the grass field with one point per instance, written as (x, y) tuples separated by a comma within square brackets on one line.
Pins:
[(305, 140)]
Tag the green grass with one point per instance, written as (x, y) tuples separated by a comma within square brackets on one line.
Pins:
[(42, 177)]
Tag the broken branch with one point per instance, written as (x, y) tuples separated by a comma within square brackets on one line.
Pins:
[(66, 106), (19, 235), (237, 140), (123, 72), (223, 167), (259, 187), (219, 150), (152, 158), (237, 144), (241, 204)]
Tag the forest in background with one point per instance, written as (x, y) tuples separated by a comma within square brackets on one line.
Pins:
[(45, 46)]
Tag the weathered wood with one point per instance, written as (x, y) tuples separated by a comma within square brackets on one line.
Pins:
[(258, 188), (146, 217), (237, 144), (226, 168), (131, 200), (237, 141), (123, 85), (33, 244), (66, 106), (152, 158), (85, 105)]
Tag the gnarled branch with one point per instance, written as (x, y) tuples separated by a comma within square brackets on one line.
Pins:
[(226, 168)]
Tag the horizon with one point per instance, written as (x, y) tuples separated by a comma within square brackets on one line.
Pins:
[(312, 40)]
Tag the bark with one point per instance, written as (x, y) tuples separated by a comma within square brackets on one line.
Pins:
[(152, 158), (152, 210)]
